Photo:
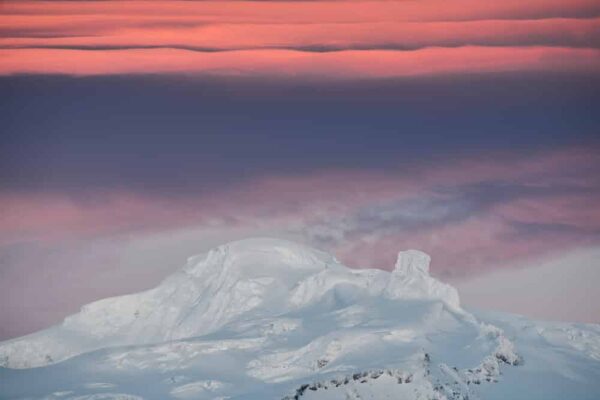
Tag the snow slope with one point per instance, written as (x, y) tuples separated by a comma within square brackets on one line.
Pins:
[(271, 319)]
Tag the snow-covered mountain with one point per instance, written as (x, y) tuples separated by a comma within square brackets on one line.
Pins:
[(271, 319)]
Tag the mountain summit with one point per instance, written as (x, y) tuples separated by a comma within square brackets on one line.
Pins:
[(271, 319), (254, 277)]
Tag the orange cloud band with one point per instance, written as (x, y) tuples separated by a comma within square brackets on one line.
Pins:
[(292, 63), (408, 35), (311, 11), (273, 38)]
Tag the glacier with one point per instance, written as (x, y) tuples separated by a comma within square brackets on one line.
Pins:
[(266, 318)]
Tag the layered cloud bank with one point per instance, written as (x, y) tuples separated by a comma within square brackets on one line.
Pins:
[(474, 215), (466, 129), (298, 39), (292, 63)]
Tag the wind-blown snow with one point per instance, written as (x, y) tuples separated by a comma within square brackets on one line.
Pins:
[(266, 318)]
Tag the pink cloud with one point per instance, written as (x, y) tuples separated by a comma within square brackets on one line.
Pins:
[(567, 209), (127, 33), (294, 64), (317, 11), (331, 204), (479, 244), (453, 39)]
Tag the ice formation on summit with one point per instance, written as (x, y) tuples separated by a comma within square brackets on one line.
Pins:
[(411, 279)]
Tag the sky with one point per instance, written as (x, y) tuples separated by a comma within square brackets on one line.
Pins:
[(134, 134)]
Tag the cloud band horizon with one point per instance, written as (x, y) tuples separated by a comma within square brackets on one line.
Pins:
[(347, 39)]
